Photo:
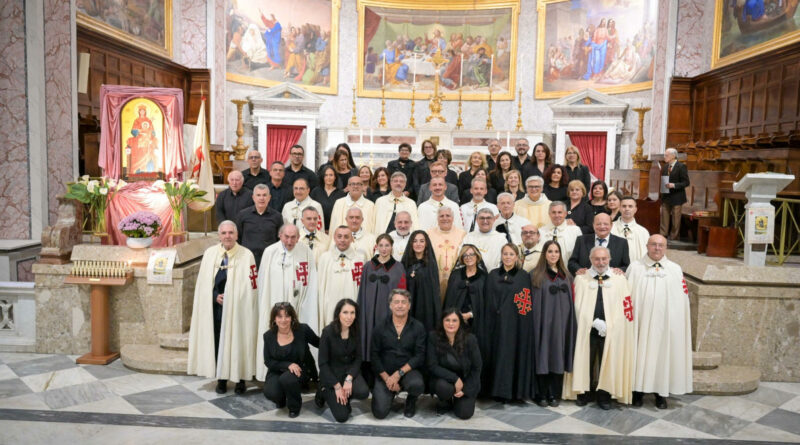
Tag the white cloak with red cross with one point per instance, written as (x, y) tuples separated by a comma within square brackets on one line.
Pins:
[(339, 278)]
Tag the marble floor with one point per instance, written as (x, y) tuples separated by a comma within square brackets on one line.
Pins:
[(50, 399)]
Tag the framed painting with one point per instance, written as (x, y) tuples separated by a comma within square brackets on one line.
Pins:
[(142, 140), (275, 41), (145, 23), (597, 44), (744, 29), (470, 44)]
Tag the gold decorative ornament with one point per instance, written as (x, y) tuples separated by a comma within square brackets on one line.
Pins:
[(353, 120), (435, 103), (411, 122), (239, 149), (382, 123), (489, 125), (519, 112), (640, 161), (459, 122)]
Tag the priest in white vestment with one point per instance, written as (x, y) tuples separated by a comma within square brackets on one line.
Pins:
[(340, 270), (223, 330), (663, 361), (626, 227), (387, 207), (427, 211), (355, 198), (511, 222), (487, 240), (288, 273), (469, 210), (445, 238), (530, 250), (310, 235), (362, 239), (535, 205), (605, 343), (400, 234), (293, 210), (558, 229)]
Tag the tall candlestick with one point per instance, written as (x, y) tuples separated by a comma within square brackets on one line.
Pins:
[(461, 73), (415, 67), (491, 71), (383, 74)]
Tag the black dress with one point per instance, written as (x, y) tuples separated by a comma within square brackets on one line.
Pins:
[(426, 301), (327, 201), (281, 386), (510, 373), (556, 193), (446, 365), (580, 173), (342, 178), (338, 358), (466, 294), (377, 282), (373, 195), (464, 181), (497, 182), (583, 216)]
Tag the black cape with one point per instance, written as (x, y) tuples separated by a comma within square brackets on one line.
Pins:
[(466, 295), (377, 281), (554, 324), (426, 301), (510, 373)]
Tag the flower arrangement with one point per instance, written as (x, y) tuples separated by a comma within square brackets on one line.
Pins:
[(179, 195), (140, 225), (96, 193)]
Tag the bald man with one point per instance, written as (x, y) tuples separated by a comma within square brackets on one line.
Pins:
[(445, 237), (233, 199), (255, 174), (355, 198)]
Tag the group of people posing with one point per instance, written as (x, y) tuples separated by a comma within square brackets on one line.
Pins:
[(512, 300)]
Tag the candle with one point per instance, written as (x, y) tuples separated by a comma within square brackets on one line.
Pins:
[(497, 136), (491, 71), (360, 136), (383, 80), (370, 139), (415, 67), (508, 139), (461, 74)]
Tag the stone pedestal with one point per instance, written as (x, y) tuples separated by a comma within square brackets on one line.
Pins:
[(760, 189)]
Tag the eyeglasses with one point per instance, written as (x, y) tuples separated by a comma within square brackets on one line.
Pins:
[(297, 154), (485, 218), (534, 187), (529, 232), (469, 255), (254, 157)]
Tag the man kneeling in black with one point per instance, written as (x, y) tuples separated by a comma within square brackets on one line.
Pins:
[(397, 355)]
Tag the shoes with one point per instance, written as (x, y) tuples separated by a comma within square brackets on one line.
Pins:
[(293, 414), (222, 386), (319, 400), (411, 407), (442, 408), (581, 400), (604, 405), (553, 402), (637, 399), (541, 402), (661, 402), (240, 387)]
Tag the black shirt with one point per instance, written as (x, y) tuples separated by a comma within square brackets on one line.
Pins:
[(390, 351), (580, 173), (373, 195), (517, 164), (583, 216), (279, 195), (250, 181), (278, 358), (556, 193), (407, 168), (229, 204), (257, 232), (327, 201), (305, 173), (338, 357), (445, 363)]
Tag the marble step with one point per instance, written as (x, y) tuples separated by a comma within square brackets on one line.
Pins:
[(154, 359), (726, 380), (177, 342), (706, 359)]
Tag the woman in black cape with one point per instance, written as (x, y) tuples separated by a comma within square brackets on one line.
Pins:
[(422, 279), (465, 287)]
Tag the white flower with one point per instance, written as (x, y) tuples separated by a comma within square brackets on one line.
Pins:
[(92, 185), (84, 179), (191, 181), (159, 184), (172, 180), (103, 190), (111, 183), (194, 187), (121, 184)]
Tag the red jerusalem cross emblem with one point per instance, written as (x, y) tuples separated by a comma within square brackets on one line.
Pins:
[(302, 272), (253, 276), (356, 271), (523, 301), (628, 305)]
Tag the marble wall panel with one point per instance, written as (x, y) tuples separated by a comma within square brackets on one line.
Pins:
[(58, 96), (193, 33), (660, 88), (14, 187), (218, 71), (694, 37)]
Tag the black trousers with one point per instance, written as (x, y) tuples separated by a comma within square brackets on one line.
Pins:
[(596, 345), (382, 398), (549, 386), (342, 412), (285, 390), (463, 407)]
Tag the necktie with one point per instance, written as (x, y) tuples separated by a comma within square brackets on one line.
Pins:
[(669, 170), (224, 260), (555, 234), (441, 204), (600, 242), (390, 226), (526, 253), (342, 256), (474, 216), (599, 311), (294, 221), (626, 230)]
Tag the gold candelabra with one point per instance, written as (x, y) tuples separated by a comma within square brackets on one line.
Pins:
[(382, 123), (640, 161), (435, 103), (459, 122), (411, 122), (353, 120), (489, 125), (240, 150), (519, 111), (100, 269)]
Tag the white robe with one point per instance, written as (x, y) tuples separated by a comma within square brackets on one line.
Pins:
[(399, 246), (445, 248), (383, 211), (515, 225), (339, 278), (428, 218), (535, 212), (637, 238), (470, 209), (342, 205), (320, 244), (565, 234), (293, 212), (490, 244), (532, 257), (237, 355), (290, 277), (663, 362)]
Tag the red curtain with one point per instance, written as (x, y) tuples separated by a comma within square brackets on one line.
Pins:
[(280, 139), (592, 147), (371, 23)]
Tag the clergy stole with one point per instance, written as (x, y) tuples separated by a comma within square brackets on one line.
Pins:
[(286, 276), (340, 276), (616, 369), (663, 362), (236, 356), (445, 248)]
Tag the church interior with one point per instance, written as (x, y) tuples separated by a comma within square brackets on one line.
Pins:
[(146, 108)]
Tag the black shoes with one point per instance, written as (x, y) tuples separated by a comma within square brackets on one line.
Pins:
[(581, 400), (442, 407), (240, 387), (605, 405), (637, 399), (319, 399), (293, 414), (411, 407), (661, 402), (222, 386), (541, 402), (552, 402)]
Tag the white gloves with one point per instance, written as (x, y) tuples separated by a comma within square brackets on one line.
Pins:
[(600, 326)]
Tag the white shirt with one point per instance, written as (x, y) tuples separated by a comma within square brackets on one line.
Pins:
[(515, 225), (470, 209), (400, 243), (428, 213), (565, 235)]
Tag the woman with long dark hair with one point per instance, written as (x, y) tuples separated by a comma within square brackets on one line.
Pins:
[(497, 177), (285, 355), (454, 363), (422, 279), (555, 183), (340, 357), (598, 196), (327, 193), (541, 159), (379, 184), (613, 203), (422, 172), (465, 289), (341, 165), (554, 323)]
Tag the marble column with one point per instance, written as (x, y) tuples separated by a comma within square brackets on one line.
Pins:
[(664, 63)]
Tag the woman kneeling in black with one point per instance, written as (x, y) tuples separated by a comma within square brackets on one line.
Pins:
[(340, 362), (285, 349), (454, 362)]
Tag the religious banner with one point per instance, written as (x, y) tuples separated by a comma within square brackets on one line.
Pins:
[(744, 29), (605, 46), (275, 41), (147, 25), (404, 44)]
